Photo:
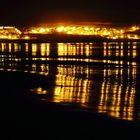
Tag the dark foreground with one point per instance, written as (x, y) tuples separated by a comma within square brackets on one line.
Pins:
[(23, 115)]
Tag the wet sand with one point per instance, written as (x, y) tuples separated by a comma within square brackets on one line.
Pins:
[(22, 114)]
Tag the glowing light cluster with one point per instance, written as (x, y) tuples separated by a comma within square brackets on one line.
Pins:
[(9, 32), (107, 32), (40, 30)]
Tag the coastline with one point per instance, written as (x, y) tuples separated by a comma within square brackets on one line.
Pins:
[(25, 114), (59, 38)]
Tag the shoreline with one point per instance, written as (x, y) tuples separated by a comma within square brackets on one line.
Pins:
[(66, 39), (25, 112)]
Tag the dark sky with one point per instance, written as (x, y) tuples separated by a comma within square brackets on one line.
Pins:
[(31, 12)]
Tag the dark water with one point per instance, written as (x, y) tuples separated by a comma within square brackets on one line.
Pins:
[(100, 77)]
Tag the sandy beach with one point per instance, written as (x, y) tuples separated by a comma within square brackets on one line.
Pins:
[(23, 114)]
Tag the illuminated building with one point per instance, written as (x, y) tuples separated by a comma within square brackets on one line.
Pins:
[(9, 32), (106, 32)]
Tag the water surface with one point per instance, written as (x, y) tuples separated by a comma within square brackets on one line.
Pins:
[(100, 77)]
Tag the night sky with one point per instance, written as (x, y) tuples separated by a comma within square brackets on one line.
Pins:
[(31, 12)]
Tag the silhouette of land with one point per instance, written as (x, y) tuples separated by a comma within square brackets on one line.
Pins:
[(58, 38)]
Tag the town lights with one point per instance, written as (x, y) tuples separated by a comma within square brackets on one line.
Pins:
[(8, 32)]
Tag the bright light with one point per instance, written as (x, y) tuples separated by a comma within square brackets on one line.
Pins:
[(60, 28), (26, 37), (134, 28), (86, 28), (34, 31), (42, 30), (9, 32)]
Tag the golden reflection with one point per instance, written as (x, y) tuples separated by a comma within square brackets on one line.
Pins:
[(34, 49), (39, 90), (120, 50), (26, 47), (45, 49), (105, 49), (134, 52), (109, 89), (43, 52), (72, 90), (10, 47), (69, 88), (16, 47), (62, 49), (40, 69), (76, 49), (3, 47), (117, 99)]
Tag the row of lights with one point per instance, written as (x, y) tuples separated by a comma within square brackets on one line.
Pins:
[(111, 33), (9, 32)]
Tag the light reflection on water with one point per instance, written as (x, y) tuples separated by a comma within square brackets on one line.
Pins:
[(107, 81)]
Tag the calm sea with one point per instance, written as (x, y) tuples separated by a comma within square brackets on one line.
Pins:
[(101, 77)]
